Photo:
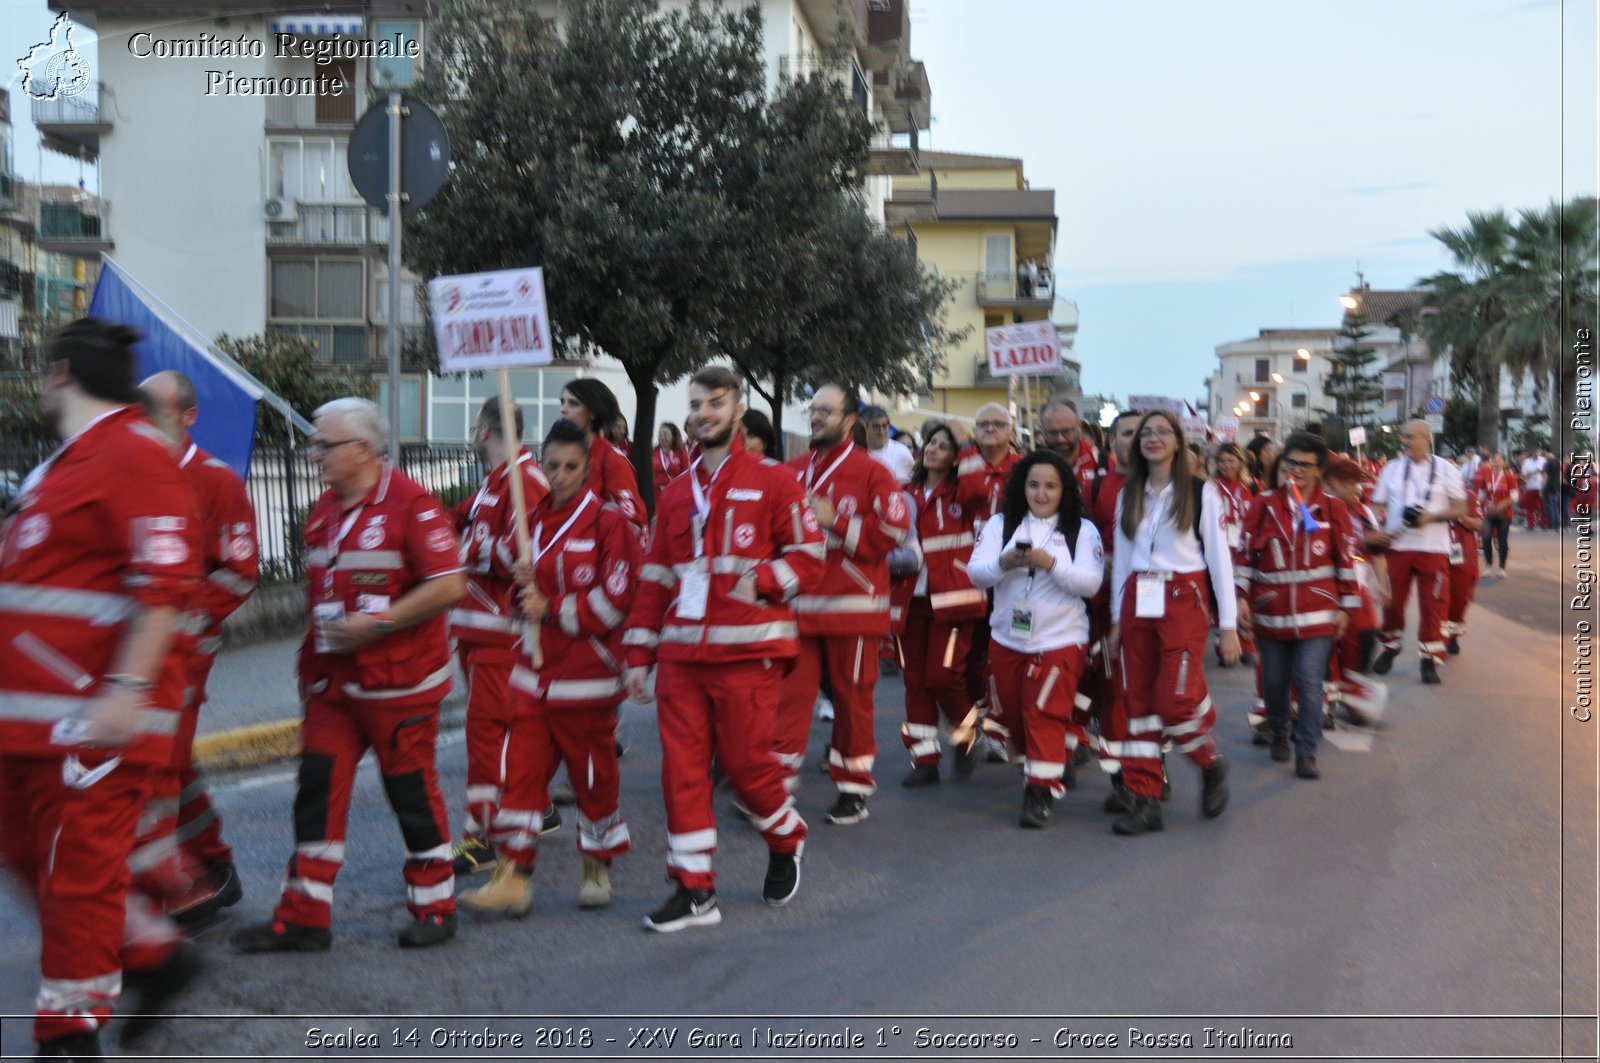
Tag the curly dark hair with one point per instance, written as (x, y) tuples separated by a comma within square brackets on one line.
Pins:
[(1014, 504)]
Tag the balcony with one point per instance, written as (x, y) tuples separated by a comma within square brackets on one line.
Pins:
[(904, 95), (73, 230), (328, 225), (289, 113), (10, 278), (73, 125), (897, 158), (910, 206), (845, 71), (888, 34), (8, 191), (1016, 290), (837, 22)]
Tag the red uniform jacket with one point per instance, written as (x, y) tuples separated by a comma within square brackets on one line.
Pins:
[(611, 477), (1237, 500), (364, 559), (486, 616), (871, 520), (666, 466), (944, 528), (104, 529), (229, 559), (1084, 466), (1296, 580), (1498, 490), (981, 484), (588, 569), (756, 523), (1465, 542)]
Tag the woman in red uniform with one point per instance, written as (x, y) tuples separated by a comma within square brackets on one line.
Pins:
[(670, 459), (591, 406), (940, 619), (576, 593)]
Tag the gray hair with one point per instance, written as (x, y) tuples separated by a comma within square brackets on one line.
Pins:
[(362, 418), (993, 406)]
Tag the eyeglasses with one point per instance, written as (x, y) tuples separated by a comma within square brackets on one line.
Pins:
[(318, 447), (995, 425), (822, 411), (1158, 433), (1296, 466), (1051, 433)]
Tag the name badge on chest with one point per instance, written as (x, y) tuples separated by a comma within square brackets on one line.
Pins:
[(694, 588), (1150, 596), (1022, 622)]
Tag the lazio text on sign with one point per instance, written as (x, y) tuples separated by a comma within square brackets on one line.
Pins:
[(1029, 349)]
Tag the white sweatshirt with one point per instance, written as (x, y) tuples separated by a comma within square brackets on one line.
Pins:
[(1055, 600)]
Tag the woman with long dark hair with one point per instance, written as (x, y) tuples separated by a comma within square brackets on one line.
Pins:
[(591, 406), (1169, 539), (760, 438), (1263, 462), (942, 614), (1044, 562), (669, 460)]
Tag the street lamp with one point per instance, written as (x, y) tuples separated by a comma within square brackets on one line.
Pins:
[(1304, 354), (1349, 302), (1279, 378)]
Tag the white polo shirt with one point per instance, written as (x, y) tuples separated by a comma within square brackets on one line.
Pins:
[(1435, 485)]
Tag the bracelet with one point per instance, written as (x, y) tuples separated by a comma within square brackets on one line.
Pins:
[(123, 681), (383, 624)]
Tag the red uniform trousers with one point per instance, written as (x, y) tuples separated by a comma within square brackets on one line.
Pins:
[(727, 709), (338, 730), (1463, 587), (1100, 687), (69, 847), (540, 740), (1532, 503), (933, 656), (851, 667), (489, 720), (199, 826), (1163, 674), (1432, 577), (1032, 697)]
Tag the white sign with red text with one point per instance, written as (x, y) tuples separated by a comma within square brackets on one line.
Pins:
[(1029, 349), (492, 320)]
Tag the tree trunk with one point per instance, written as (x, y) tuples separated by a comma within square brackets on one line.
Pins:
[(780, 388), (644, 430), (1489, 404)]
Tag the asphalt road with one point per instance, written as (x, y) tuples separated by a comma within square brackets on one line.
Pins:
[(1444, 866)]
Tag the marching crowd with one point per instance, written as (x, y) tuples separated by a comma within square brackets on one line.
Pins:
[(1054, 607)]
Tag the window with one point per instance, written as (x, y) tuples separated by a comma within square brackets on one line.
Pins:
[(998, 262), (1301, 365), (1298, 401), (454, 402), (1263, 370), (336, 110), (410, 299), (320, 289), (309, 168), (410, 405)]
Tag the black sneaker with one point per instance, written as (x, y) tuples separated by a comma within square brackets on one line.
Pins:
[(1453, 646), (685, 908), (1214, 788), (966, 761), (1385, 662), (219, 889), (1306, 767), (428, 930), (155, 990), (850, 808), (1430, 672), (230, 888), (783, 879), (552, 820), (83, 1046), (1082, 755), (1069, 775), (1120, 799), (278, 936), (1280, 747), (472, 855), (921, 775), (1145, 815), (1036, 802), (1260, 736)]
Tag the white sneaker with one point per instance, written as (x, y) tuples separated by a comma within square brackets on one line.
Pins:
[(824, 709), (1502, 572)]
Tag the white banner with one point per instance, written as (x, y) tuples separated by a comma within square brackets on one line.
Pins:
[(1141, 403), (1358, 436), (491, 320), (1030, 349), (1227, 428)]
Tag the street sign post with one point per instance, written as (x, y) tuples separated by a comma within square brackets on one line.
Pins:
[(1435, 404)]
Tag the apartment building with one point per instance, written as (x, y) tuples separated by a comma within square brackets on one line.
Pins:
[(1276, 379)]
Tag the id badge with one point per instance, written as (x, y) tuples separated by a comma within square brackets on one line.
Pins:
[(694, 588), (1150, 601), (1458, 556), (372, 603), (322, 614), (1022, 622)]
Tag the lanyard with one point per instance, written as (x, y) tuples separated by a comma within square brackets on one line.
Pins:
[(1405, 484), (538, 531), (336, 543), (702, 503), (1155, 525), (813, 481)]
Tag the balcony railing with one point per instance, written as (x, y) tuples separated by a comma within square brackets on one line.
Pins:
[(313, 112), (846, 71), (69, 227), (337, 224), (82, 109), (1019, 287)]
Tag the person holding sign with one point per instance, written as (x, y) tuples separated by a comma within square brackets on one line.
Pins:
[(734, 545), (382, 567), (484, 624), (1044, 561), (591, 406), (578, 589), (1169, 540)]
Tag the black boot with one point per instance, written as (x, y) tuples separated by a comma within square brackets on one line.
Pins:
[(155, 990), (1430, 672), (1036, 802), (1145, 815), (1214, 788), (921, 775), (1119, 799), (1384, 662)]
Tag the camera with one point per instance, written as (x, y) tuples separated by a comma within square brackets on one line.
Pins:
[(1023, 545), (1411, 516)]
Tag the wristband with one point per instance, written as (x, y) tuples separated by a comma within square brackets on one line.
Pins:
[(123, 681), (383, 624)]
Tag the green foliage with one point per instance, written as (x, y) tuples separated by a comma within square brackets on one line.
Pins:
[(22, 416), (288, 366), (1355, 385), (1460, 426)]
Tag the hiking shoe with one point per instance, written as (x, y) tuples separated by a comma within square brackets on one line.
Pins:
[(1120, 799), (472, 855), (1306, 767), (1145, 815), (1069, 774), (1453, 646), (552, 820), (922, 775), (1036, 802), (1214, 788), (783, 879), (509, 892), (1280, 747), (685, 908), (428, 930), (1430, 672), (1385, 662), (595, 889), (155, 990), (850, 808), (278, 936)]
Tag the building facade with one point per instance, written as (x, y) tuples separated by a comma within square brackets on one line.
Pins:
[(1275, 381)]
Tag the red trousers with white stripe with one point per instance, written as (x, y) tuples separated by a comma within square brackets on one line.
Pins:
[(1101, 686), (1432, 576), (69, 847), (540, 740), (852, 667), (726, 709), (338, 730), (489, 715), (1163, 673), (1463, 587), (1031, 698), (933, 656), (199, 826)]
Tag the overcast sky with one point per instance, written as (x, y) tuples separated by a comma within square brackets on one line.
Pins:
[(1223, 166)]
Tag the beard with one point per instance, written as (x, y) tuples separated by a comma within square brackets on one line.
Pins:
[(716, 437), (826, 442)]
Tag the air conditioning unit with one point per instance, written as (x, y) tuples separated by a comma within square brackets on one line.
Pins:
[(279, 208)]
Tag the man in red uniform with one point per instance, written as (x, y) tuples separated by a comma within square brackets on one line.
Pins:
[(1463, 572), (99, 555), (1101, 688), (1061, 430), (734, 544), (982, 480), (486, 628), (227, 528), (864, 515), (382, 566)]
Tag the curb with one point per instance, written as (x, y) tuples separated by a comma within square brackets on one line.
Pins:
[(260, 745)]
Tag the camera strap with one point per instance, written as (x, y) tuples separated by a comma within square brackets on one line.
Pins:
[(1405, 485)]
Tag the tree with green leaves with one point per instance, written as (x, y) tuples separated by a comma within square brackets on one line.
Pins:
[(1354, 383), (288, 366), (613, 154)]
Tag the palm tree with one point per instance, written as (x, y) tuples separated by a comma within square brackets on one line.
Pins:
[(1469, 303)]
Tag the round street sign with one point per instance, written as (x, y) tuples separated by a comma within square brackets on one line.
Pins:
[(1435, 404), (424, 154)]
